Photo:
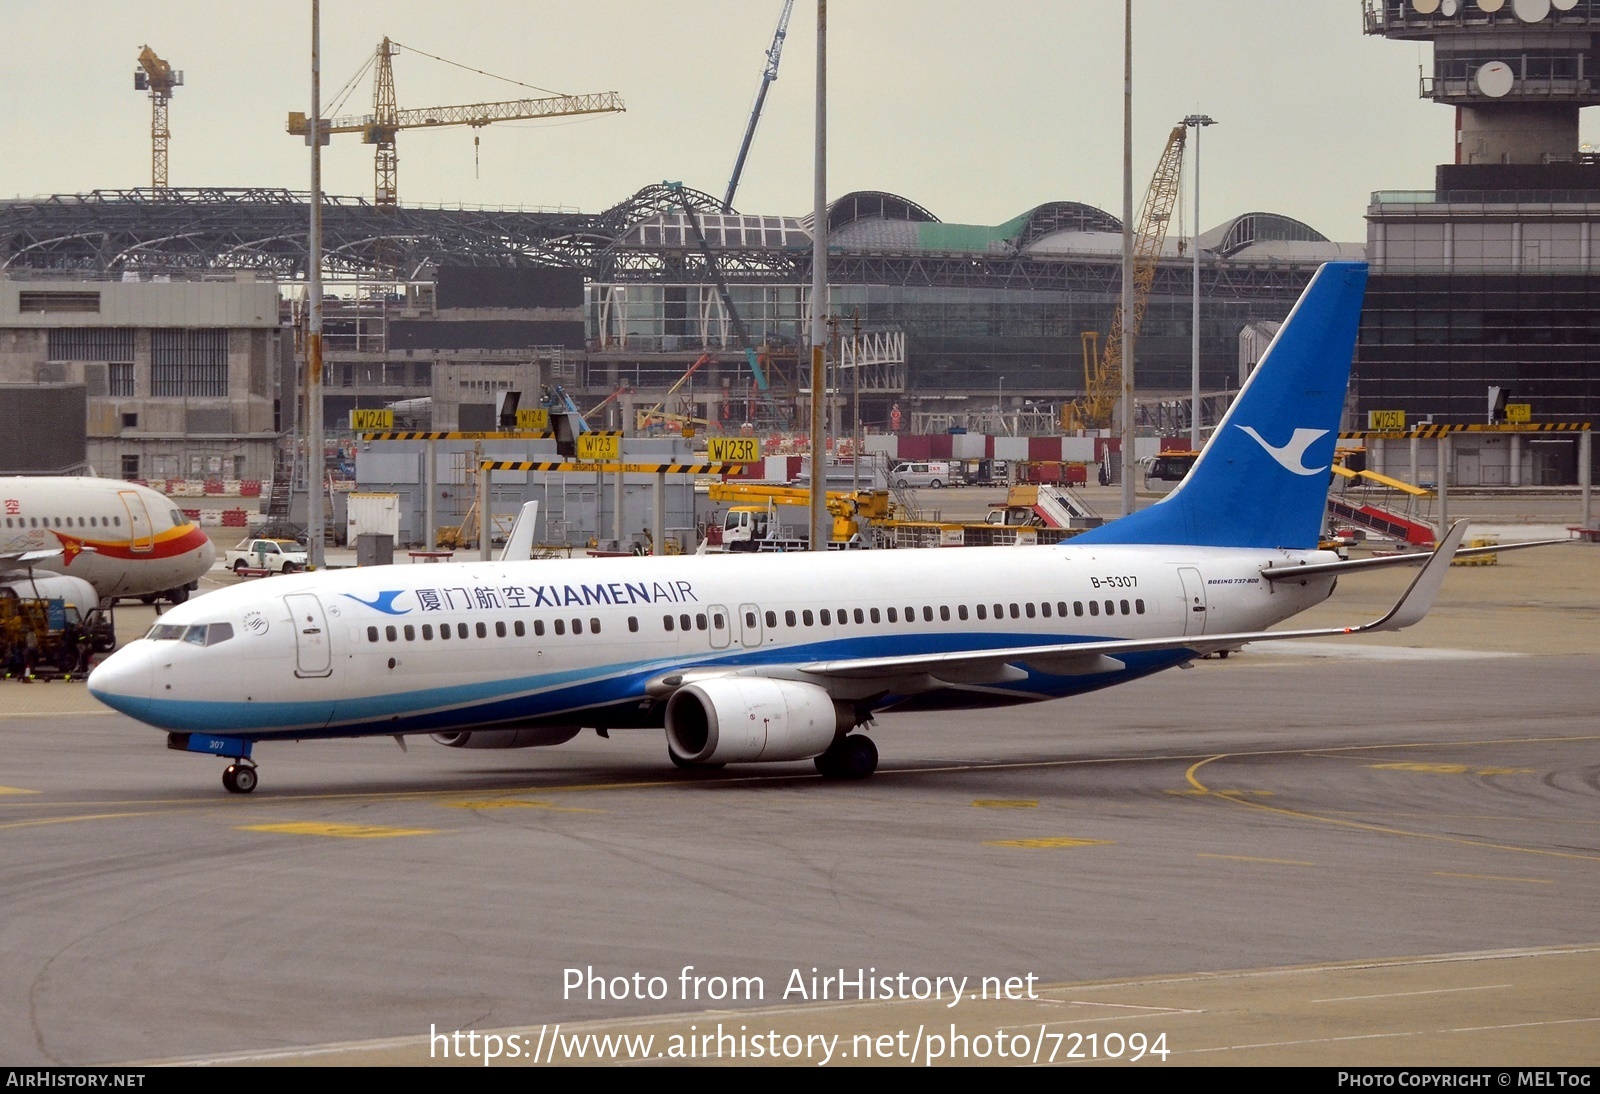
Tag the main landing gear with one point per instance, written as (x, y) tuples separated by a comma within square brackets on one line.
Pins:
[(239, 778), (850, 757)]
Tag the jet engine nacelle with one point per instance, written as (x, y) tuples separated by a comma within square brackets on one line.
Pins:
[(76, 592), (742, 719), (508, 738)]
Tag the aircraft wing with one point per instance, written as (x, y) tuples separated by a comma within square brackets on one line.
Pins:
[(1075, 658), (26, 558), (1087, 656), (1412, 558)]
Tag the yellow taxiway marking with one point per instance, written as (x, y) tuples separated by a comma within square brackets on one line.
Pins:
[(15, 790), (518, 804), (39, 821), (1299, 814), (338, 831), (1252, 858), (1005, 803), (1497, 877), (1451, 769), (1223, 793), (1047, 841)]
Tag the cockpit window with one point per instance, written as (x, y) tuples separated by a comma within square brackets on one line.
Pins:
[(200, 634), (178, 519)]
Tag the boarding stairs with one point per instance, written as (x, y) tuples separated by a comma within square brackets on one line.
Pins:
[(1380, 504), (1059, 507)]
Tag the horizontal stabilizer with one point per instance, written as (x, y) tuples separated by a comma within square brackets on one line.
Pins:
[(1379, 562)]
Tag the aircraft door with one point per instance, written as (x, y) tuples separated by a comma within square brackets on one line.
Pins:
[(140, 529), (750, 625), (720, 624), (1194, 600), (313, 654)]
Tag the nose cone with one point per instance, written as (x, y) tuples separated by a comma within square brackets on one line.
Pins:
[(208, 553), (124, 680)]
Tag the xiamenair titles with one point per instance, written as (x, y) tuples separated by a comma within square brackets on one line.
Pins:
[(466, 598)]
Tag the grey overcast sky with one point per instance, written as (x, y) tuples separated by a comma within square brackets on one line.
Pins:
[(978, 111)]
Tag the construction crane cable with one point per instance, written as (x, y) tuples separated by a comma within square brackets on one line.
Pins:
[(345, 92), (479, 71)]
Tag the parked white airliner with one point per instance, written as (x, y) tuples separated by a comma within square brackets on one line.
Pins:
[(113, 537), (757, 658)]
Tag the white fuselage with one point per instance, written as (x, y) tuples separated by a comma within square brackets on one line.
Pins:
[(354, 652), (123, 539)]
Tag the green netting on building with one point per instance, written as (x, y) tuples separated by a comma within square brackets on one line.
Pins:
[(967, 237)]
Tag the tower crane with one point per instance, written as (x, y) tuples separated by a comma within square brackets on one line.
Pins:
[(1102, 370), (769, 73), (159, 78), (387, 119)]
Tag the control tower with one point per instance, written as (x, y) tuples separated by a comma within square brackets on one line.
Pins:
[(1516, 71), (1490, 282)]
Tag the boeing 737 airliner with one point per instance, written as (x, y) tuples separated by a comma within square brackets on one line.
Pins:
[(760, 658)]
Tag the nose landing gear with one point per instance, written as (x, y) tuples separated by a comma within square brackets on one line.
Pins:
[(239, 778)]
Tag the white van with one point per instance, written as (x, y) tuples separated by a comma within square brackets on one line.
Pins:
[(914, 473)]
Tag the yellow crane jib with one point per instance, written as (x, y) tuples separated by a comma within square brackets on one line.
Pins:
[(387, 119)]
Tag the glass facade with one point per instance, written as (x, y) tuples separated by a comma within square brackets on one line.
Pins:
[(958, 340), (1433, 343)]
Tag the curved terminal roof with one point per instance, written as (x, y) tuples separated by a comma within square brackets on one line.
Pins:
[(1251, 229), (875, 205), (872, 219)]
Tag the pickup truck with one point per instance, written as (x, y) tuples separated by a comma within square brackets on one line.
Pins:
[(281, 556)]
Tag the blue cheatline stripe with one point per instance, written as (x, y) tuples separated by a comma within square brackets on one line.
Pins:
[(554, 694)]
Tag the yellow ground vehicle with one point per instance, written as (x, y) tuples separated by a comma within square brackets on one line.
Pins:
[(49, 637), (755, 525)]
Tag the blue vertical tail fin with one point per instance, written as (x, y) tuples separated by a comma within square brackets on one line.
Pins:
[(1262, 479)]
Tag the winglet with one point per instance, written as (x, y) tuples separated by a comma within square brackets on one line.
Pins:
[(1418, 598)]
